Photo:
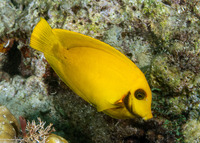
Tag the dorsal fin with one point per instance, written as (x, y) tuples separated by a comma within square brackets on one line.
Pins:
[(42, 37), (70, 39)]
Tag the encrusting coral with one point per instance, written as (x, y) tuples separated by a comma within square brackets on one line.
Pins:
[(53, 138), (9, 127)]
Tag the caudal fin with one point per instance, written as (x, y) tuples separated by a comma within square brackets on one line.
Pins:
[(42, 37)]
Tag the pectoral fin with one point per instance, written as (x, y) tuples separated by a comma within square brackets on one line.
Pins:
[(120, 102), (106, 105)]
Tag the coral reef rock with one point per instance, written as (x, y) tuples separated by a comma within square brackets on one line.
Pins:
[(9, 126)]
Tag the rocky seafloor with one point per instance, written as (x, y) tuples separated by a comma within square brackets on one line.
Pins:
[(162, 37)]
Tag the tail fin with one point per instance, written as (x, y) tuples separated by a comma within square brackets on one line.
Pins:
[(42, 37)]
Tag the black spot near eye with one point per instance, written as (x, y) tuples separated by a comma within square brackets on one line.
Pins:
[(140, 94), (126, 99), (128, 103)]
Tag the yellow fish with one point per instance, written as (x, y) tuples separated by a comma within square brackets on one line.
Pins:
[(95, 71)]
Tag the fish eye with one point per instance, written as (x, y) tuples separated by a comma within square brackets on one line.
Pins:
[(140, 94)]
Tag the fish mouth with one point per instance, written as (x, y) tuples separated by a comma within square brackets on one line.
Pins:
[(147, 117)]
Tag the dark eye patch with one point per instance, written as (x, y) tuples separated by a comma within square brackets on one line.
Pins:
[(127, 102)]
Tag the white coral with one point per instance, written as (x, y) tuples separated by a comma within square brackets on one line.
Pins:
[(37, 133)]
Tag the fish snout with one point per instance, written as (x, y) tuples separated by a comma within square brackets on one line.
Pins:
[(148, 116)]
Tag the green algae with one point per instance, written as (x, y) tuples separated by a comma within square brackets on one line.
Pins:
[(163, 73), (191, 131)]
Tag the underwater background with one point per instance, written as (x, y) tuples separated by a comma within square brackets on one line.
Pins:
[(162, 37)]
